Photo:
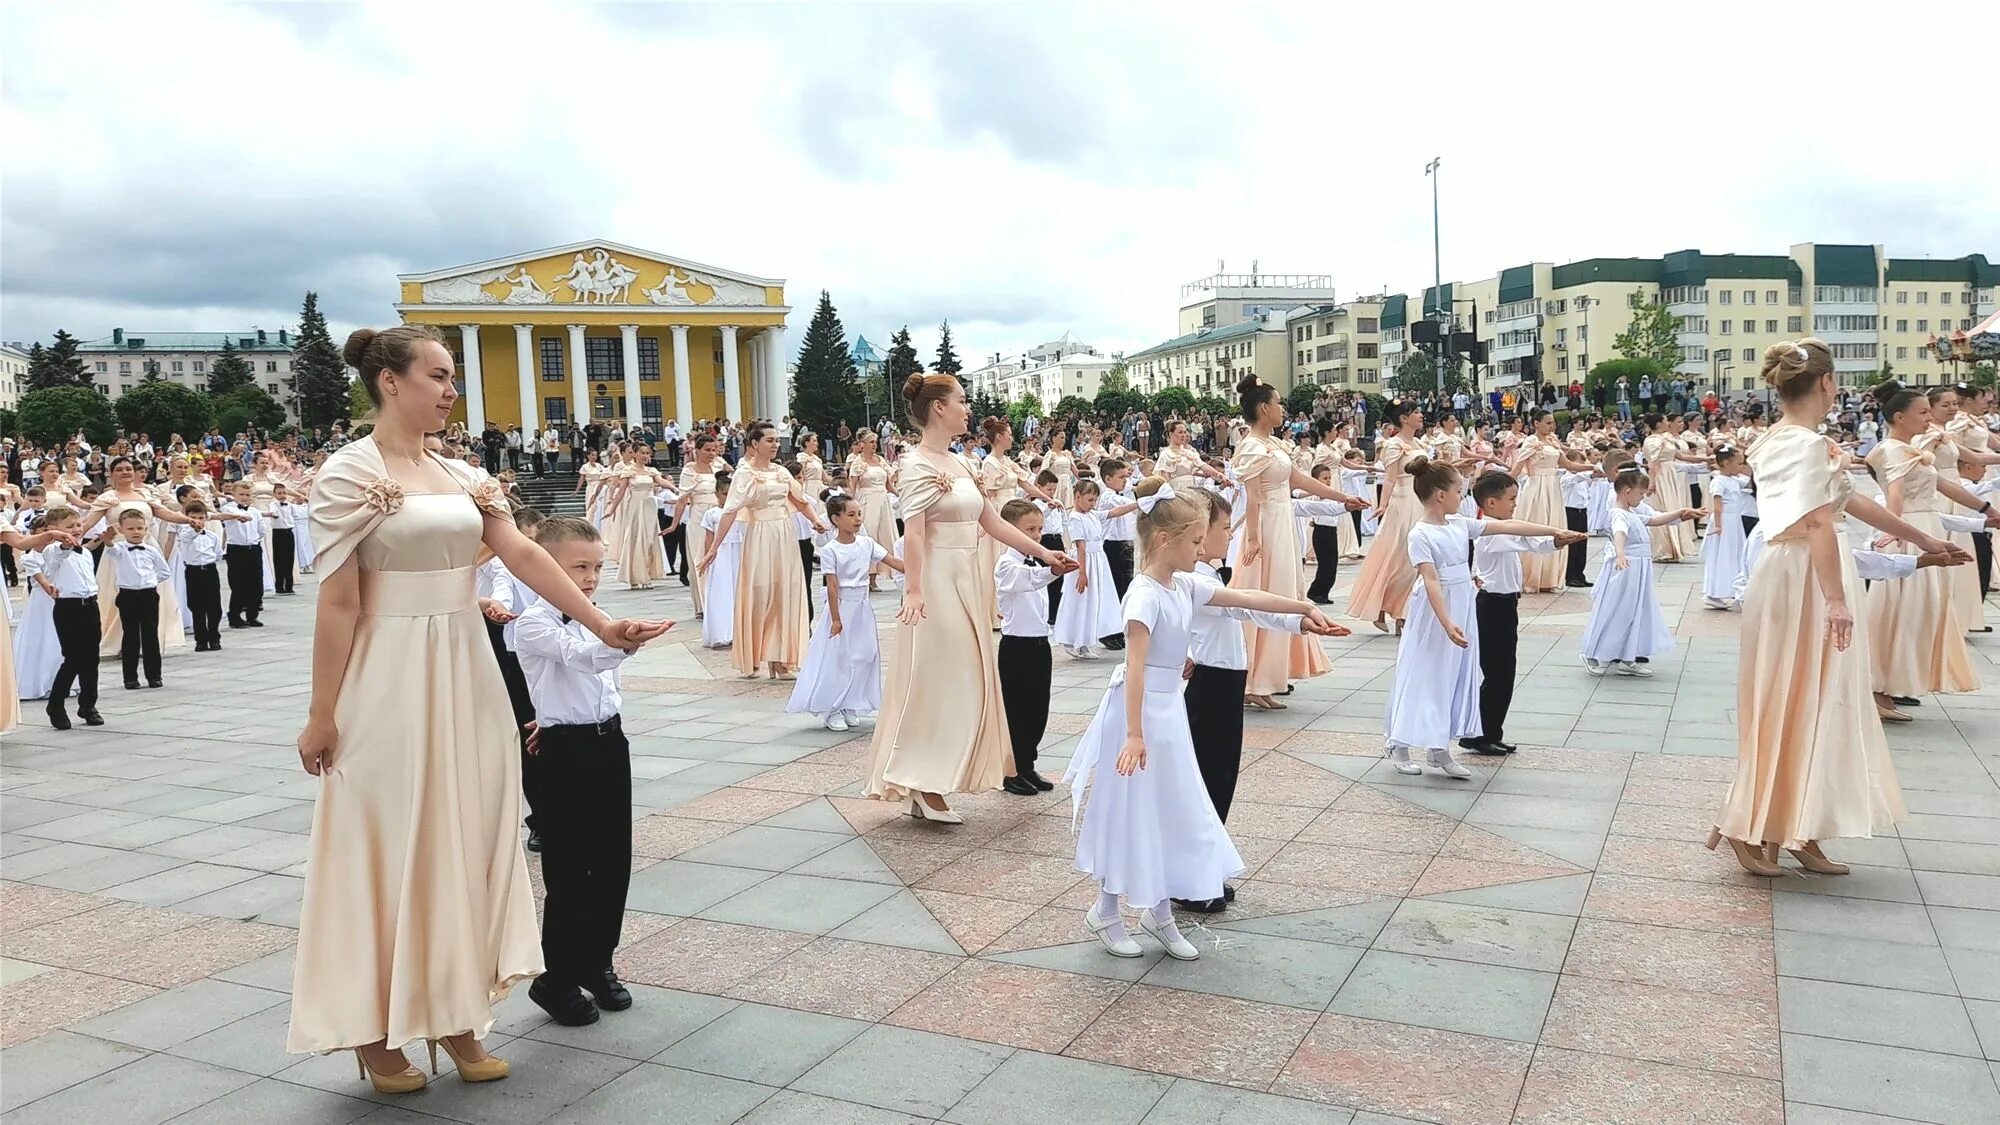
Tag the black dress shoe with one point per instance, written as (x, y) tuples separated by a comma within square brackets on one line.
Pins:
[(1038, 781), (58, 718), (1020, 786), (1505, 747), (1202, 905), (1228, 893), (609, 992), (254, 624), (235, 624), (1480, 746), (90, 718), (131, 685), (155, 683), (1906, 700), (1114, 644), (565, 1003), (534, 841), (1579, 583)]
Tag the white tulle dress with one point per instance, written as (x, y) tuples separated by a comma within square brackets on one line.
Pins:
[(1435, 696)]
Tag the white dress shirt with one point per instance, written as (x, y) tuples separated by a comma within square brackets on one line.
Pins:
[(68, 569), (198, 548), (242, 533), (1217, 639), (1576, 489), (1496, 560), (1052, 517), (1875, 566), (138, 566), (1125, 527), (1024, 608), (572, 676), (1323, 513), (280, 516)]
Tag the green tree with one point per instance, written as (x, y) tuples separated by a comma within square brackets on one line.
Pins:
[(53, 415), (163, 408), (1073, 407), (316, 364), (1117, 379), (1418, 375), (358, 406), (1607, 373), (1299, 400), (1981, 374), (229, 371), (1028, 406), (903, 363), (947, 357), (1654, 334), (57, 365), (986, 406), (1170, 401), (826, 391), (245, 409), (1213, 405)]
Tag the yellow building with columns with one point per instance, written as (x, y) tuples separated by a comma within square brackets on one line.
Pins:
[(601, 331)]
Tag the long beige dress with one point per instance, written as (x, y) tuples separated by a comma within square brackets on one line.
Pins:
[(771, 623), (1062, 463), (10, 686), (870, 480), (1919, 647), (699, 488), (1541, 502), (1275, 658), (942, 728), (1675, 541), (1387, 576), (1964, 432), (1178, 464), (1000, 480), (1812, 762), (642, 558), (418, 915), (111, 630)]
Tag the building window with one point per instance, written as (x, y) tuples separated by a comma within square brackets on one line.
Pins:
[(1844, 323), (603, 359), (1903, 297), (556, 410), (124, 368), (102, 367), (1795, 324), (1722, 296), (1365, 351), (1923, 296), (1749, 355), (199, 366), (552, 359), (1944, 298), (1724, 330), (1902, 326), (1902, 353), (177, 367), (1562, 363), (271, 389), (649, 405), (1367, 375), (1749, 296), (270, 365), (1923, 326), (1770, 296), (649, 357)]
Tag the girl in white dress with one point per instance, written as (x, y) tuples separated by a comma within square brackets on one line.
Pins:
[(37, 651), (1722, 554), (1150, 833), (1435, 697), (1089, 608), (302, 543), (1601, 492), (718, 584), (1353, 481), (842, 675), (1625, 620)]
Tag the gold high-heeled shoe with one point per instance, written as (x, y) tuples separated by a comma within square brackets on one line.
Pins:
[(1815, 861), (1752, 859), (488, 1069), (409, 1081)]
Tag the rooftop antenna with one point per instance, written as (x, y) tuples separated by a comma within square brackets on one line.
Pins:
[(1253, 271)]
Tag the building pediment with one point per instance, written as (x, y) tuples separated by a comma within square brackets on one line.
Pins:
[(592, 274)]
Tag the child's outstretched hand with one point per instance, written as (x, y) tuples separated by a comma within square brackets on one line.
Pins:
[(1567, 538), (1133, 757), (1456, 634), (1316, 624)]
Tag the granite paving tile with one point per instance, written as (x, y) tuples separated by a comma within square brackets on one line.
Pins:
[(1015, 876), (1486, 935), (154, 1089), (1345, 868), (1064, 1090), (1920, 1021), (851, 979), (56, 1061), (1891, 1081), (1034, 1009), (902, 1070), (1416, 1072), (1745, 911), (1201, 1103), (762, 1044), (702, 956), (664, 836), (1734, 1034), (976, 921), (1579, 1088), (1694, 960), (1193, 1035)]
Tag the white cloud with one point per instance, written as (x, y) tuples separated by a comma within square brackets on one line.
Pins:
[(1021, 169)]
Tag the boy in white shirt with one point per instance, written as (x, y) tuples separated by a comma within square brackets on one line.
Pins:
[(139, 568), (1025, 664), (68, 576), (198, 549), (244, 559), (282, 541), (1496, 565), (580, 787), (1119, 509)]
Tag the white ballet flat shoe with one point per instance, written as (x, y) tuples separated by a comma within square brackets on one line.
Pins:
[(1594, 667), (1399, 756), (1100, 928), (1177, 946), (1628, 668), (923, 811), (836, 721), (1443, 760)]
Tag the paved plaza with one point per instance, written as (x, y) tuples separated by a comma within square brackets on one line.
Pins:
[(1547, 942)]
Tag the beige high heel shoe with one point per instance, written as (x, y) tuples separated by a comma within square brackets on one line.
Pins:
[(488, 1069), (922, 810), (409, 1081), (1815, 861), (1751, 858)]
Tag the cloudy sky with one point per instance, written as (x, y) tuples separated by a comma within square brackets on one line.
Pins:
[(1021, 169)]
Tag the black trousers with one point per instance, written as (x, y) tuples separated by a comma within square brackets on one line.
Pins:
[(283, 551), (514, 459), (204, 602), (1054, 543), (246, 582), (1982, 557), (671, 544), (1026, 670), (581, 791), (1749, 525), (1355, 515), (139, 624), (7, 571), (1118, 553), (1577, 519), (1499, 633), (518, 699), (806, 553), (78, 633), (1326, 562), (1214, 700)]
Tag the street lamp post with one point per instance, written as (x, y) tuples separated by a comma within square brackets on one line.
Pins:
[(1437, 271)]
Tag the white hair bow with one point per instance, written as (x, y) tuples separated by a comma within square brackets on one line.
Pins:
[(1146, 503), (1804, 356)]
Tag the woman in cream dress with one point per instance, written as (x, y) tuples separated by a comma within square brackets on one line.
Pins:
[(126, 494), (1664, 457), (1812, 762), (1387, 575), (1538, 465), (812, 476), (1269, 560), (771, 624), (697, 500), (1179, 462), (418, 916), (1062, 463), (942, 728), (868, 476), (1971, 458), (1918, 645), (1001, 478), (635, 521), (590, 482)]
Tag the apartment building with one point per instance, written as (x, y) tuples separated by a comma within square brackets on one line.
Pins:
[(1050, 371), (1224, 299), (13, 375), (1210, 361), (123, 360), (1338, 345)]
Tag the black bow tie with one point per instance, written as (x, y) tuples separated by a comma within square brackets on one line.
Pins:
[(1033, 561), (565, 618), (135, 546)]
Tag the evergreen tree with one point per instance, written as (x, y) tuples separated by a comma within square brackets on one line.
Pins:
[(56, 365), (230, 370), (38, 369), (947, 359), (826, 391), (903, 363), (322, 377)]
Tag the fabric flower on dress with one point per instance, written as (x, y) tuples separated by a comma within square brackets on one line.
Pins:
[(383, 495), (491, 498)]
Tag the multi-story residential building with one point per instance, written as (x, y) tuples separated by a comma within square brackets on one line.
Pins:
[(123, 360), (1210, 361), (1223, 299), (13, 375), (1050, 371), (1338, 345)]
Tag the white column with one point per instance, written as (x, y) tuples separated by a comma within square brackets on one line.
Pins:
[(630, 333), (760, 387), (579, 390), (774, 371), (683, 380), (732, 390), (524, 362), (475, 382)]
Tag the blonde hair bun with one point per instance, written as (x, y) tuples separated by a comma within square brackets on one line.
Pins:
[(1796, 364)]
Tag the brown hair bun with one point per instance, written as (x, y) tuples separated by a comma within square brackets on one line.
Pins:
[(1792, 367)]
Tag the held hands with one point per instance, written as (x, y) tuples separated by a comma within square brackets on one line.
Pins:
[(1316, 624), (1839, 625), (1059, 562), (1955, 557), (1133, 757), (1697, 515), (316, 745), (628, 635), (1569, 538), (495, 612), (1456, 635)]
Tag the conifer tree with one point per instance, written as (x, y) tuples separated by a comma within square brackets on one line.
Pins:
[(230, 370), (903, 363), (826, 390), (322, 377), (947, 358)]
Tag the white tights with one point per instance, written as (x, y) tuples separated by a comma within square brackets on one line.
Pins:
[(1161, 915)]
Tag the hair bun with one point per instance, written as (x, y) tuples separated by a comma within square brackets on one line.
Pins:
[(1246, 384), (1149, 486), (357, 346), (913, 386), (1416, 465)]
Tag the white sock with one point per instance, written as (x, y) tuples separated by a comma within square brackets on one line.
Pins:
[(1399, 753), (1107, 905), (1162, 918)]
